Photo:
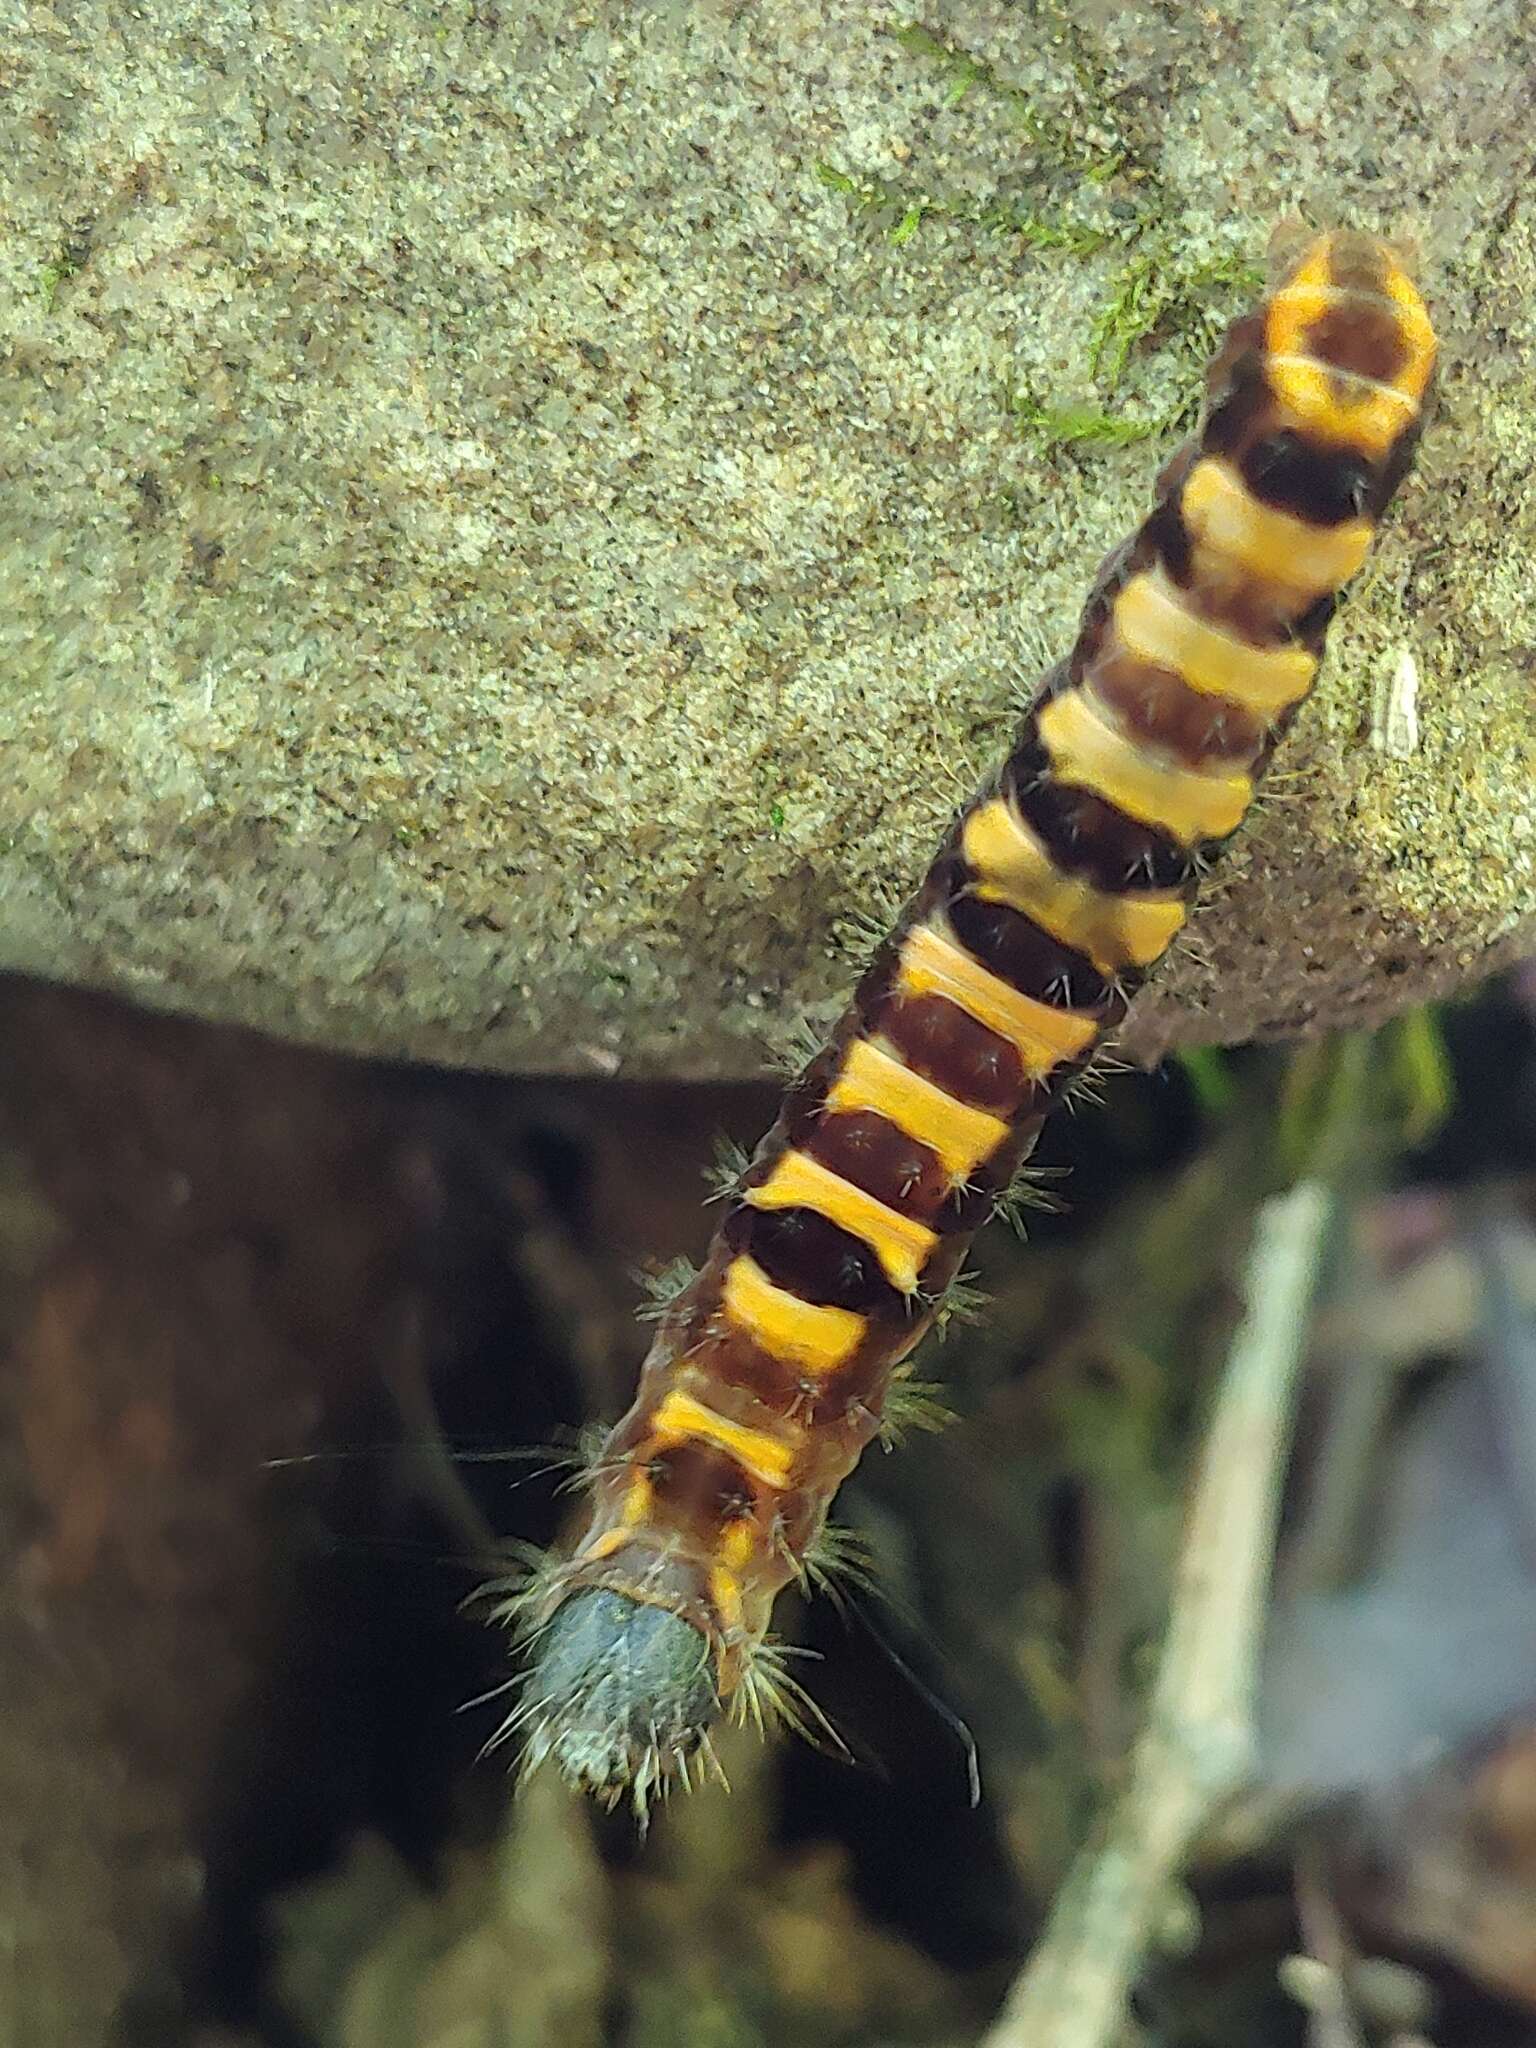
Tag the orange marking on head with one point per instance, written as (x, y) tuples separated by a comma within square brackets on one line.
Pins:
[(1417, 329), (1155, 625), (800, 1182), (1337, 402), (1014, 868), (873, 1078), (1338, 405), (933, 963), (1090, 753), (807, 1335)]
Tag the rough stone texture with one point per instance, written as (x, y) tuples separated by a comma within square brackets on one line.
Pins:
[(498, 559), (216, 1251)]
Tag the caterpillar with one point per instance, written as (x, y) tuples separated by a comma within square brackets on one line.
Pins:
[(1060, 884)]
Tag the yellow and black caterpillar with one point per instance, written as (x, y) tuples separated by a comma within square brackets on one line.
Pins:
[(1060, 884)]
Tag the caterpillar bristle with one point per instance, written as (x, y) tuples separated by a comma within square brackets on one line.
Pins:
[(577, 1463), (1032, 654), (770, 1697), (859, 933), (664, 1288), (1196, 950), (837, 1561), (912, 1406), (1029, 1190), (515, 1599), (962, 1301), (726, 1170), (597, 1465), (1108, 1063), (800, 1045)]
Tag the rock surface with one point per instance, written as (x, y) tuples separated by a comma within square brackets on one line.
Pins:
[(513, 529)]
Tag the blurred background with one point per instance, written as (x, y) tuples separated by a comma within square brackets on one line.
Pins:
[(293, 1345)]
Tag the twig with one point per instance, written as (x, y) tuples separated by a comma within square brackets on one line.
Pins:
[(1196, 1750), (1325, 1990)]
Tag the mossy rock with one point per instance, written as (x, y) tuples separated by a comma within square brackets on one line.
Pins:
[(518, 523)]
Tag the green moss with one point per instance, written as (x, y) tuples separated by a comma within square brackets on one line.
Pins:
[(1003, 217), (1081, 426), (1155, 294), (1066, 143), (907, 226), (1130, 312), (1420, 1086), (64, 266), (907, 211), (1209, 1074), (1361, 1091), (964, 70)]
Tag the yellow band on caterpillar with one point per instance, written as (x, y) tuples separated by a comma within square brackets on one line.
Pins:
[(1155, 627), (682, 1419), (1223, 515), (725, 1597), (1091, 754), (816, 1339), (639, 1499), (933, 964), (800, 1182), (739, 1542), (1014, 868), (960, 1136)]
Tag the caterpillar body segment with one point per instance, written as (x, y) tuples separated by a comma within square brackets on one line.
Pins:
[(1060, 885)]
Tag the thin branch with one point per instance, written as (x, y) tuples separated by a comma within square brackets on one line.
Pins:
[(1197, 1748), (1325, 1991)]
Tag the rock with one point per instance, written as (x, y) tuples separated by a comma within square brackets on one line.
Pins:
[(514, 528)]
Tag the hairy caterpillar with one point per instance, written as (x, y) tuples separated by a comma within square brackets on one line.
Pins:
[(1060, 884)]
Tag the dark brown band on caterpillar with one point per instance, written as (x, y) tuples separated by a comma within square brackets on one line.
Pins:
[(1061, 884)]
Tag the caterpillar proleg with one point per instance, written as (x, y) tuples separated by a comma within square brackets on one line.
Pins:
[(1061, 883)]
